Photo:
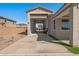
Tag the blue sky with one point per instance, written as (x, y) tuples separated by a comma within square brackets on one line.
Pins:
[(17, 11)]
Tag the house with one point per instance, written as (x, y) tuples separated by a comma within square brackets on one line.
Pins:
[(64, 24), (5, 22)]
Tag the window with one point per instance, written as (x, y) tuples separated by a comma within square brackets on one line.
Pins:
[(65, 24), (54, 24)]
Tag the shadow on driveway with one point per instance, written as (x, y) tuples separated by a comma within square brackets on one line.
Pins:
[(47, 38)]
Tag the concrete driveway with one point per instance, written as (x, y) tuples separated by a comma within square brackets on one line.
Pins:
[(35, 44)]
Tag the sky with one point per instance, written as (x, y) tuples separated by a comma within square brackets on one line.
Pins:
[(17, 11)]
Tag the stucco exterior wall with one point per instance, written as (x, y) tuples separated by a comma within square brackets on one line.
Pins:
[(51, 30), (29, 24), (58, 32), (74, 38)]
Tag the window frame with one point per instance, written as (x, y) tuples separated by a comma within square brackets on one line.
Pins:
[(65, 28)]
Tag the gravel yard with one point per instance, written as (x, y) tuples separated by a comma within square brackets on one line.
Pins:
[(9, 36)]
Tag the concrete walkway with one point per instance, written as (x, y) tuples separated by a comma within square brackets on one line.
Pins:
[(35, 44)]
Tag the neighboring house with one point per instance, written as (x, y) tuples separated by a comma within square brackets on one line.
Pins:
[(5, 22), (21, 25), (64, 24)]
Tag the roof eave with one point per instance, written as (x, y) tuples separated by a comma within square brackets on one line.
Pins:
[(6, 19), (62, 8), (39, 7)]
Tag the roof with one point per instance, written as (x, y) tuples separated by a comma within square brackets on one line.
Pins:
[(6, 19), (40, 8), (65, 6)]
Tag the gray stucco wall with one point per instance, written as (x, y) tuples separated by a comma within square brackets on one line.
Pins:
[(74, 16), (58, 32)]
